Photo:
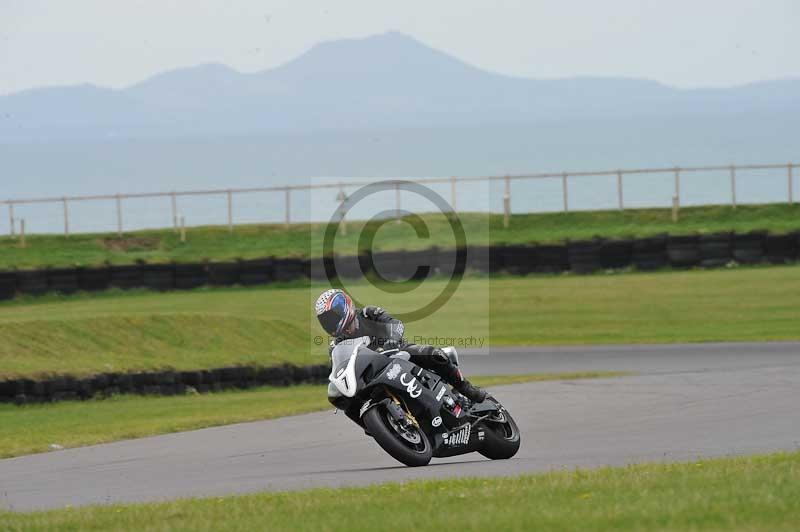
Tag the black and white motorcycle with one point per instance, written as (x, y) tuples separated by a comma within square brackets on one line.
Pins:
[(411, 412)]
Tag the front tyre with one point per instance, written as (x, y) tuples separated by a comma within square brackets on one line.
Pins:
[(501, 438), (407, 445)]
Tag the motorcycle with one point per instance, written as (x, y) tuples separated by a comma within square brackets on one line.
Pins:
[(411, 412)]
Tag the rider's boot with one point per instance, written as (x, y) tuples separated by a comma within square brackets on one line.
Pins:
[(470, 391), (463, 386)]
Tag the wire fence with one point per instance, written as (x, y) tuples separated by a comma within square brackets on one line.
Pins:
[(234, 206)]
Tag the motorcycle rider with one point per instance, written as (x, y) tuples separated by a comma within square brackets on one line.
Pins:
[(343, 321)]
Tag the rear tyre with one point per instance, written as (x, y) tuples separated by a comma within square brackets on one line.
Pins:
[(409, 446), (501, 438)]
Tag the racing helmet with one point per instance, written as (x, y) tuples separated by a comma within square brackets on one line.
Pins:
[(335, 311)]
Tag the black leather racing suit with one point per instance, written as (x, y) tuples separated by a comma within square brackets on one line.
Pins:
[(386, 333)]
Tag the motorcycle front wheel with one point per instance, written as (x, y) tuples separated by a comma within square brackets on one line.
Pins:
[(501, 439), (407, 445)]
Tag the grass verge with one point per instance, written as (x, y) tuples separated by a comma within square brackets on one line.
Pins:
[(759, 493), (212, 328), (34, 428), (250, 241)]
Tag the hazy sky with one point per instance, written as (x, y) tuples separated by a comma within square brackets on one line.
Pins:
[(685, 43)]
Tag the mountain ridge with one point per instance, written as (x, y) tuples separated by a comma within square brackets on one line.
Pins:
[(386, 80)]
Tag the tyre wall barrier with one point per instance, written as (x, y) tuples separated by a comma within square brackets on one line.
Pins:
[(782, 249), (167, 382), (289, 269), (188, 276), (429, 259), (159, 277), (8, 285), (551, 259), (443, 261), (397, 265), (616, 254), (126, 276), (484, 259), (255, 272), (683, 251), (583, 256), (650, 253), (519, 260), (32, 282), (715, 250), (63, 280), (94, 279), (748, 248), (349, 267), (224, 273)]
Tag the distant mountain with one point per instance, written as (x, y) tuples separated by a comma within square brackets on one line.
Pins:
[(384, 81)]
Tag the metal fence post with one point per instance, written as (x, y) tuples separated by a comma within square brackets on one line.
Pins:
[(174, 199), (733, 186), (12, 231), (791, 183), (453, 192), (565, 191), (22, 233), (676, 206), (288, 206), (119, 215), (619, 191), (230, 211), (66, 216), (507, 202), (677, 183)]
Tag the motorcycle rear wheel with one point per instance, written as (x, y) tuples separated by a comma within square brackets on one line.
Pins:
[(409, 446), (501, 437)]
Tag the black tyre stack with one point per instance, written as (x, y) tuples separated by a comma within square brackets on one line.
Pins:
[(62, 280), (318, 266), (348, 267), (189, 276), (32, 282), (288, 269), (782, 249), (650, 253), (8, 285), (748, 248), (616, 254), (159, 277), (716, 250), (683, 251), (94, 279), (428, 259), (584, 256), (481, 259), (126, 276), (224, 273), (519, 260), (256, 272), (393, 265), (551, 259)]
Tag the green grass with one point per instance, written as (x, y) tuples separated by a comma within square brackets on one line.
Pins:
[(33, 428), (208, 328), (216, 243), (760, 493), (117, 343)]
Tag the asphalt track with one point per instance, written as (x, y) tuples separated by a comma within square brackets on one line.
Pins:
[(686, 401)]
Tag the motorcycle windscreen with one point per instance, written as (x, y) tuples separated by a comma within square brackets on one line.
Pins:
[(343, 365)]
